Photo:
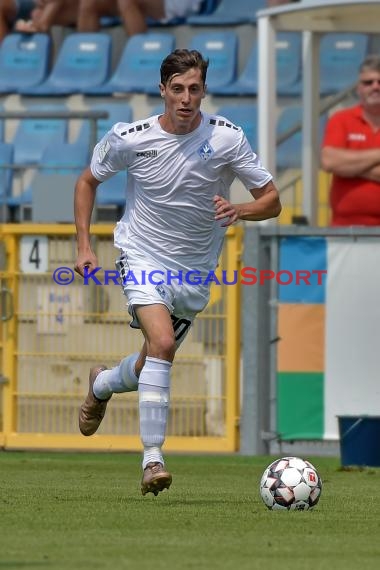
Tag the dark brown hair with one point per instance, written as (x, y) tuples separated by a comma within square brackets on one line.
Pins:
[(180, 61)]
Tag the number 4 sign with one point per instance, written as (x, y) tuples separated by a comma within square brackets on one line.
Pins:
[(34, 254)]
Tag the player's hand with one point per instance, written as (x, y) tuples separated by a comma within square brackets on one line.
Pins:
[(224, 210), (86, 259)]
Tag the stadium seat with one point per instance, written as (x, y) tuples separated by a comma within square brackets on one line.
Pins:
[(64, 158), (289, 152), (83, 62), (138, 70), (118, 111), (24, 61), (229, 12), (288, 68), (112, 192), (244, 116), (221, 50), (52, 187), (34, 135), (288, 63), (340, 57), (2, 128)]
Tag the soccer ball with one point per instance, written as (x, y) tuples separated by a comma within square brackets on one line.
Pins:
[(289, 484)]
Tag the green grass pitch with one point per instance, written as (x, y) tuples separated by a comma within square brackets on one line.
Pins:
[(77, 511)]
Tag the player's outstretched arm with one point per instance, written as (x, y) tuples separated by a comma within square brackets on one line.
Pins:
[(84, 198)]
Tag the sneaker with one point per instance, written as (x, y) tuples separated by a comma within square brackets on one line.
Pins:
[(92, 410), (155, 479)]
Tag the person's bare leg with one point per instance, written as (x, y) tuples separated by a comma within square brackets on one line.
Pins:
[(28, 26), (135, 12), (8, 12), (90, 12), (60, 13), (52, 13)]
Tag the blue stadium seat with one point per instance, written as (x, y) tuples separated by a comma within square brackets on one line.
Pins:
[(83, 62), (1, 124), (221, 50), (59, 163), (112, 192), (64, 158), (33, 136), (288, 63), (244, 116), (24, 61), (289, 152), (118, 111), (340, 57), (6, 174), (229, 12), (138, 70), (288, 68)]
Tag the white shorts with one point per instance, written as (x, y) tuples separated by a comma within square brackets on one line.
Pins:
[(147, 282), (181, 8)]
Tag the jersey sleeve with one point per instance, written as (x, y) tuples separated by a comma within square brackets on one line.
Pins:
[(247, 166), (110, 154)]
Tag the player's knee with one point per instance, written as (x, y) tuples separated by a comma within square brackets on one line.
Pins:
[(162, 347)]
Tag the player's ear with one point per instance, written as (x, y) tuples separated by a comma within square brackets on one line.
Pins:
[(162, 89), (204, 91)]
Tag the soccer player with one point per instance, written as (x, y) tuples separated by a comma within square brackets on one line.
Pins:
[(180, 167)]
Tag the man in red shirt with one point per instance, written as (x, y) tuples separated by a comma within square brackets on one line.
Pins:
[(351, 152)]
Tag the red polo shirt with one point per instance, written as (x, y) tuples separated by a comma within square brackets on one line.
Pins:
[(354, 201)]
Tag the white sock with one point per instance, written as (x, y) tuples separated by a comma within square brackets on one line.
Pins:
[(119, 379), (154, 390), (127, 371), (152, 455)]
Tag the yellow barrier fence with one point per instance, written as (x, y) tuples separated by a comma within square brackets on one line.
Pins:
[(52, 334)]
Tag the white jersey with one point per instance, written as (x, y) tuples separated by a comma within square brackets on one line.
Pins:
[(172, 180)]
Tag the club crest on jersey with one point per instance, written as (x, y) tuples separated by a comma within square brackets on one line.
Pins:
[(205, 151), (103, 150)]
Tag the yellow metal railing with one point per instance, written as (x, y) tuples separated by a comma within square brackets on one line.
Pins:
[(58, 332), (292, 200)]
